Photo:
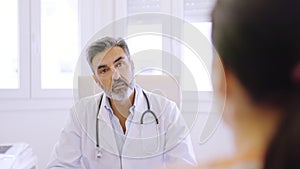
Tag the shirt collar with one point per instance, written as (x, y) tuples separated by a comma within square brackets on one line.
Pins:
[(138, 95), (139, 101)]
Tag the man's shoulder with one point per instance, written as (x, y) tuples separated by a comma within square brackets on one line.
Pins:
[(87, 103), (158, 95), (161, 96), (160, 100), (90, 99)]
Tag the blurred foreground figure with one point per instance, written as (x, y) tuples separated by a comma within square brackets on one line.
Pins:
[(258, 42)]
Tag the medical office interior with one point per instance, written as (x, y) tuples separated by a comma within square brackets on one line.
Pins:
[(43, 72)]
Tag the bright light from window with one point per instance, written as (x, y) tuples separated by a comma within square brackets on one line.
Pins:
[(9, 42), (145, 47), (195, 67), (59, 43)]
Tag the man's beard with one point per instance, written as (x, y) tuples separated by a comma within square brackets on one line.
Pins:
[(121, 93)]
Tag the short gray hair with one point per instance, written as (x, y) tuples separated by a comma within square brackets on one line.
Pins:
[(102, 44)]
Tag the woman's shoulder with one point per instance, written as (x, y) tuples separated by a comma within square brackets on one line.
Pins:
[(249, 161)]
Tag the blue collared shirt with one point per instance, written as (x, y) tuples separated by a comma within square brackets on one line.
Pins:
[(120, 136)]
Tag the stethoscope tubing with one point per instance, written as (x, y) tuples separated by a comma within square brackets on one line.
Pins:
[(142, 118)]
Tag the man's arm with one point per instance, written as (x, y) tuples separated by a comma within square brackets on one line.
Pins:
[(178, 144), (67, 152)]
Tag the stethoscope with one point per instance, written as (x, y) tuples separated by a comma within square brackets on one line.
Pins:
[(99, 154)]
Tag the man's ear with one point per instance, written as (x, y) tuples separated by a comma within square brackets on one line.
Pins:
[(132, 64)]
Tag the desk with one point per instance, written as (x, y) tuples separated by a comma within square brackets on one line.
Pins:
[(17, 156)]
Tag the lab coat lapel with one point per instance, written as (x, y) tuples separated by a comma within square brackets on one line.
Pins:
[(135, 144), (140, 107), (107, 139), (131, 147)]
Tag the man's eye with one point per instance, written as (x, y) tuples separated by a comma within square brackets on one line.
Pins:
[(103, 71), (119, 64)]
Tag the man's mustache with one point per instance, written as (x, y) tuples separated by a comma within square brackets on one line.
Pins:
[(119, 81)]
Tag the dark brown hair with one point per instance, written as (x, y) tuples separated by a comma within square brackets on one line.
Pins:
[(259, 42)]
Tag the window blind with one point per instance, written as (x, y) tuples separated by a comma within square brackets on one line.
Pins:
[(198, 10), (141, 6)]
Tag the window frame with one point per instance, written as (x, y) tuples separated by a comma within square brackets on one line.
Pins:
[(24, 55)]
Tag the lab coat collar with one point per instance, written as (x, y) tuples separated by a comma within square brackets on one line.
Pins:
[(106, 132), (139, 104)]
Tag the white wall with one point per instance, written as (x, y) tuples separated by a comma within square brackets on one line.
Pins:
[(41, 128)]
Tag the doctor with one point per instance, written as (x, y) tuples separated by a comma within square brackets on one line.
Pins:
[(125, 127)]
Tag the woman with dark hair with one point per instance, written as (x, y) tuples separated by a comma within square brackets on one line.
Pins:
[(258, 42), (259, 45)]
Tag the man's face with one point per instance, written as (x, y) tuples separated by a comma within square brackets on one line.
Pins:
[(114, 73)]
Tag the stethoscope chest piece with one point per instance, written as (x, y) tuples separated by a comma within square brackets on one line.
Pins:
[(98, 153)]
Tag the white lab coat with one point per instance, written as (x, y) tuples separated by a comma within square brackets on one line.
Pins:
[(146, 146)]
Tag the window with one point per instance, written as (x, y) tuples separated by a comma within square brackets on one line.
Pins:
[(145, 48), (59, 43), (196, 73), (144, 37), (9, 42), (42, 40), (138, 6), (15, 49), (198, 14), (198, 11), (192, 77)]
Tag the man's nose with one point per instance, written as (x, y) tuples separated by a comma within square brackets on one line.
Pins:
[(116, 74)]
